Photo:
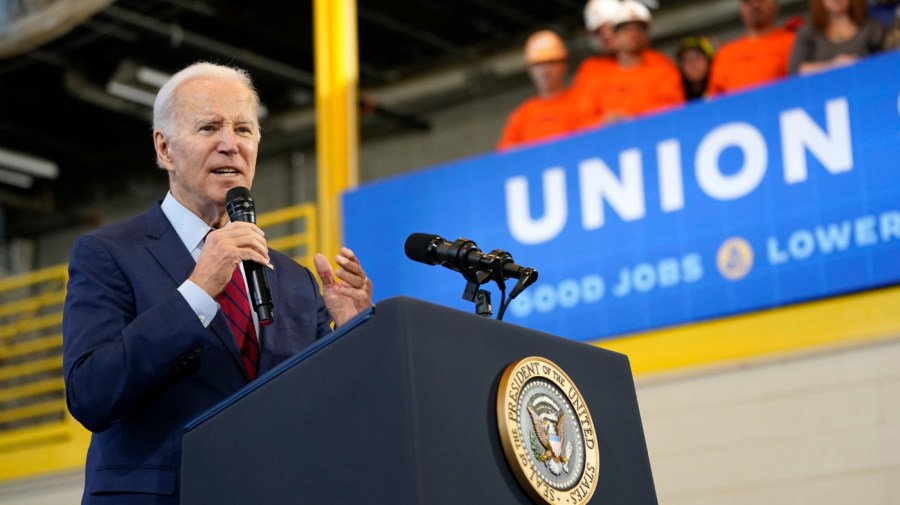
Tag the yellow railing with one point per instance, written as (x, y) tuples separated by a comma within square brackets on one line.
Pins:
[(37, 435), (300, 244)]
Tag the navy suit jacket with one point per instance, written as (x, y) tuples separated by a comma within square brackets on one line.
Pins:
[(139, 364)]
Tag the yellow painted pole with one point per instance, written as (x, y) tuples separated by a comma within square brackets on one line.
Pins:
[(337, 118)]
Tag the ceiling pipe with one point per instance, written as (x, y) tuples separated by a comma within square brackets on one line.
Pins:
[(181, 36), (46, 21), (79, 86)]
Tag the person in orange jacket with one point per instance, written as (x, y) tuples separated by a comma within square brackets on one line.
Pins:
[(549, 114), (759, 57), (619, 72)]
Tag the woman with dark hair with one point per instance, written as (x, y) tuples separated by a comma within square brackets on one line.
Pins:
[(839, 33), (694, 59)]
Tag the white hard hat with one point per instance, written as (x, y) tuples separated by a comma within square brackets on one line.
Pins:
[(600, 12), (632, 11)]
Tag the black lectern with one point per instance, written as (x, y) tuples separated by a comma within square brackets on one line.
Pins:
[(401, 408)]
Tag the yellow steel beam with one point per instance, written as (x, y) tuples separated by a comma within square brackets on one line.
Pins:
[(30, 346), (30, 324), (32, 389), (288, 241), (312, 228), (337, 118), (305, 211), (58, 272), (33, 303), (834, 322), (35, 450), (38, 409), (31, 435), (31, 367)]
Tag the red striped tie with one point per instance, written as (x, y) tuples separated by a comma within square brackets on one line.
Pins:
[(236, 308)]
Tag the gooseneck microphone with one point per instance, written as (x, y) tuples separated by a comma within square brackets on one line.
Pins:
[(463, 255), (240, 207)]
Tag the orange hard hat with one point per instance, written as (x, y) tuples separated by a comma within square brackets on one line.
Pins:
[(544, 46)]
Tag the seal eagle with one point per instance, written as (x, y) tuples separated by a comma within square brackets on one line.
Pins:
[(550, 435)]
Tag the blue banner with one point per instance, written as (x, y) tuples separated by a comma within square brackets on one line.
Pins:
[(776, 196)]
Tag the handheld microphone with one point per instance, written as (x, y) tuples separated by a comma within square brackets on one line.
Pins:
[(241, 207), (463, 255)]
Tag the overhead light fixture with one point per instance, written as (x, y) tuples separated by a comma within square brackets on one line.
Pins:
[(27, 164), (131, 93), (136, 83), (152, 77), (140, 84), (15, 179)]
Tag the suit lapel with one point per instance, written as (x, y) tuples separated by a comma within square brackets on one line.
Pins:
[(177, 262)]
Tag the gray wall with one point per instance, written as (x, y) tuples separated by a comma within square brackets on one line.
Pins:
[(466, 130)]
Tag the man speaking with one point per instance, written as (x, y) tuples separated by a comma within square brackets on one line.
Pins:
[(157, 324)]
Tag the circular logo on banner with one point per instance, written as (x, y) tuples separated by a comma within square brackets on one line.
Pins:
[(735, 258), (547, 432)]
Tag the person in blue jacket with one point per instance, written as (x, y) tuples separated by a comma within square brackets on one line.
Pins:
[(146, 344)]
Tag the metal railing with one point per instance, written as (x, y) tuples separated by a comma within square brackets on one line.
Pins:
[(37, 434)]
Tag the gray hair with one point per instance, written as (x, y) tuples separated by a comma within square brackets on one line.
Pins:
[(164, 106)]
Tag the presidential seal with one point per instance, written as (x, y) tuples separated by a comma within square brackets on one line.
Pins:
[(547, 432)]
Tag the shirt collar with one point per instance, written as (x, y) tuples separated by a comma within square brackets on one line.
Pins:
[(190, 228)]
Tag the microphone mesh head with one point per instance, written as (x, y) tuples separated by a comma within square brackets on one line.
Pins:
[(239, 205), (417, 246), (237, 192)]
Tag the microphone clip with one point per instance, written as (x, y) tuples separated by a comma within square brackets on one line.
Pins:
[(489, 266), (476, 275)]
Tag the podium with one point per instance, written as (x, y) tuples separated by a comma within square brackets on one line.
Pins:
[(400, 407)]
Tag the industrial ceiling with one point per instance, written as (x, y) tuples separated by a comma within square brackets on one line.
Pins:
[(76, 77)]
